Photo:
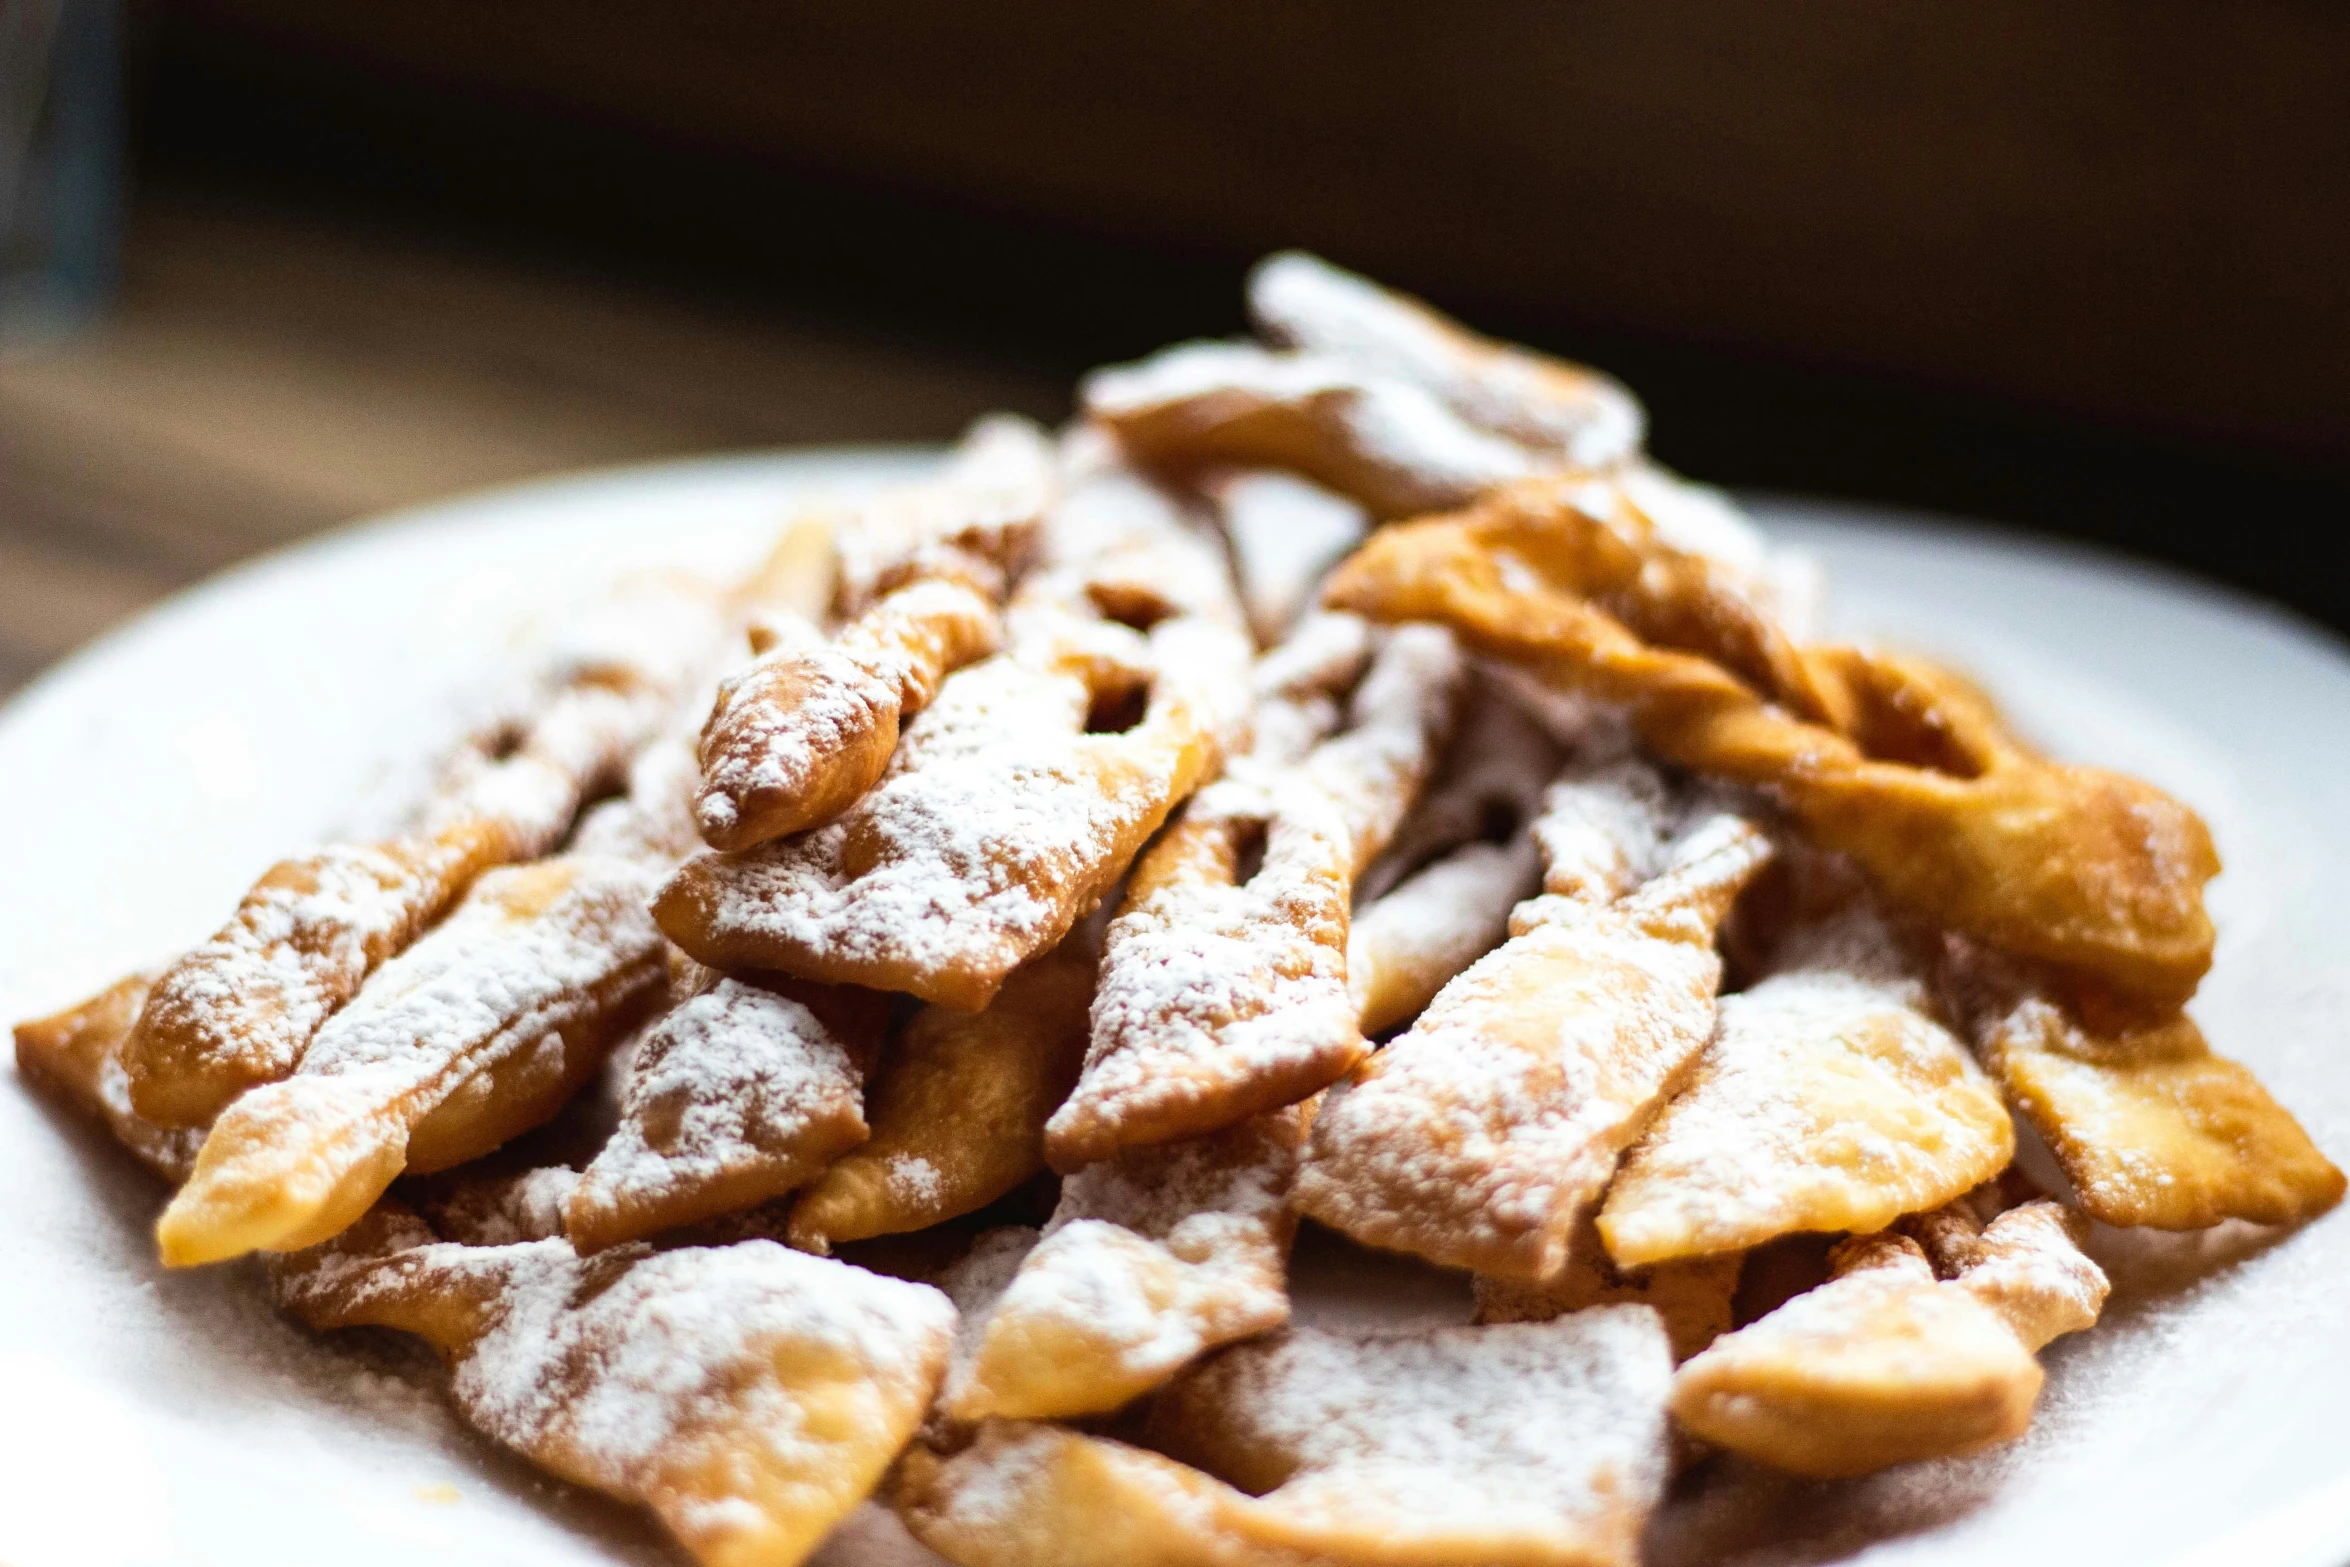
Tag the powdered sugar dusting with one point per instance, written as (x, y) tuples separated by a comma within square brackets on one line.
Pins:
[(1413, 453), (1832, 1098), (1151, 1259), (613, 1379), (1448, 1439), (1586, 416), (741, 1092), (1479, 1136)]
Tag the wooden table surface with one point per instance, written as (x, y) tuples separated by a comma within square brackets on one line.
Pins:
[(264, 375)]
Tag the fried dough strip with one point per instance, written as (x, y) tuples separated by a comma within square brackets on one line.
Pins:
[(2027, 1265), (1024, 1494), (1220, 996), (1016, 799), (978, 521), (1549, 405), (77, 1055), (957, 1108), (799, 735), (2072, 865), (2148, 1124), (1377, 439), (806, 729), (1440, 897), (751, 1396), (1533, 1444), (1286, 534), (1405, 947), (1481, 1136), (740, 1094), (481, 1030), (1151, 1259), (242, 1008), (1831, 1099), (1883, 1364)]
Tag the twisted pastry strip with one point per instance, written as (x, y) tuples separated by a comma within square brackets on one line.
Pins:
[(799, 735), (1151, 1259), (241, 1009), (481, 1030), (1440, 897), (1481, 1135), (1878, 758), (1528, 1445), (1587, 417), (1832, 1099), (958, 1107), (2148, 1124), (1374, 438), (749, 1395), (1885, 1363), (77, 1055), (1020, 796), (1531, 1444), (743, 1092), (1223, 994)]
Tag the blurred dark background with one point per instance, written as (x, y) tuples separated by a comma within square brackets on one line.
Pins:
[(2074, 267)]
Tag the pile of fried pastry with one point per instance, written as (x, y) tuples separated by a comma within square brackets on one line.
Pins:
[(1337, 777)]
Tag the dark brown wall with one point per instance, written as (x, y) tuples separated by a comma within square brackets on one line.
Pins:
[(2130, 210)]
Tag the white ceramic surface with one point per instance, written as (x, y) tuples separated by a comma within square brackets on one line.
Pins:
[(154, 1418)]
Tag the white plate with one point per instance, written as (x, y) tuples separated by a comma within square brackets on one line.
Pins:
[(171, 1418)]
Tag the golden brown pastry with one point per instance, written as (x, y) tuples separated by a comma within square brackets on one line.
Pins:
[(1877, 758), (77, 1055), (1695, 1298), (1151, 1259), (741, 1093), (1019, 797), (958, 1107), (1832, 1098), (1534, 1443), (481, 1030), (1884, 1364), (1223, 988), (1545, 404), (242, 1008), (1481, 1136), (1379, 440), (749, 1395), (2150, 1126), (800, 734)]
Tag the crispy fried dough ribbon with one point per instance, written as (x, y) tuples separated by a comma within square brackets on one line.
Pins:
[(2073, 865), (1551, 405), (77, 1055), (1018, 797), (1223, 990), (1530, 1445), (742, 1092), (749, 1395), (241, 1009), (958, 1107), (1151, 1258), (800, 734), (2149, 1125), (1481, 1136), (480, 1031), (1832, 1099), (1906, 1353)]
